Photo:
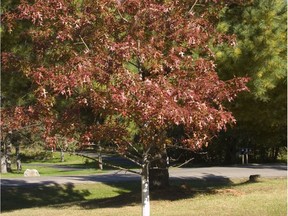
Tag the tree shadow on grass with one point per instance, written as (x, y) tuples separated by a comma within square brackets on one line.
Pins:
[(36, 195), (179, 189), (129, 193)]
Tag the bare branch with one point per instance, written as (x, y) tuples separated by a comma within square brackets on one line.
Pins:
[(23, 127), (192, 6), (131, 159), (156, 157), (172, 159), (187, 149), (133, 64), (147, 151), (122, 16), (136, 157), (179, 147), (183, 163), (107, 164), (135, 160), (136, 150), (87, 48)]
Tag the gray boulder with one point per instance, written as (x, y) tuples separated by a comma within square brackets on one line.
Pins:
[(31, 173)]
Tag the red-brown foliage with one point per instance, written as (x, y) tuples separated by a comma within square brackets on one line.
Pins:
[(114, 62)]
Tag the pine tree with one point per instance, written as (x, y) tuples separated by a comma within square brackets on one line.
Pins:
[(260, 53)]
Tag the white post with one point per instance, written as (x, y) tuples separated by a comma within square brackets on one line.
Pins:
[(145, 190)]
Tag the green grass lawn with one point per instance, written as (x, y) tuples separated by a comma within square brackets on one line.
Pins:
[(194, 197), (50, 171), (53, 167)]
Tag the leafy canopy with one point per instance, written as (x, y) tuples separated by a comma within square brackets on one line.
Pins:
[(106, 69)]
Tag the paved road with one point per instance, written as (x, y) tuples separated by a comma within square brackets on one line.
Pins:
[(272, 170)]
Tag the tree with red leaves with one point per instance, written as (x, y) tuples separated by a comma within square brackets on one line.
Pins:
[(97, 68)]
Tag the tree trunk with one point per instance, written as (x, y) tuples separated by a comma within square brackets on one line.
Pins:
[(62, 155), (145, 190), (18, 160), (52, 152), (5, 155), (159, 178), (8, 154), (100, 158), (275, 153), (3, 164), (19, 165), (158, 172)]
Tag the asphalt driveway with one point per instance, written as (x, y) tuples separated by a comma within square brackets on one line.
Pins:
[(228, 172)]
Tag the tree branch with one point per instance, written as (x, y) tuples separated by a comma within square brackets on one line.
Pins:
[(155, 158), (24, 127), (187, 149), (134, 160), (172, 159), (192, 6), (87, 48), (136, 150), (147, 151), (131, 159), (133, 64), (183, 163), (106, 164), (122, 16)]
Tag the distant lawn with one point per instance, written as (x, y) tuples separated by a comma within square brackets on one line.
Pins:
[(50, 171), (54, 158), (183, 198), (73, 165)]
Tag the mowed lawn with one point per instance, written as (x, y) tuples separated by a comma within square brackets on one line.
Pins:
[(73, 165), (194, 197)]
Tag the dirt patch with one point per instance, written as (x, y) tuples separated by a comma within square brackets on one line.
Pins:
[(232, 192)]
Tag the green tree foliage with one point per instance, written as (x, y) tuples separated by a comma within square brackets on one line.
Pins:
[(15, 87), (260, 52)]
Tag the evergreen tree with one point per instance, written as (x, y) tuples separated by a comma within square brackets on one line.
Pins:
[(260, 53)]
